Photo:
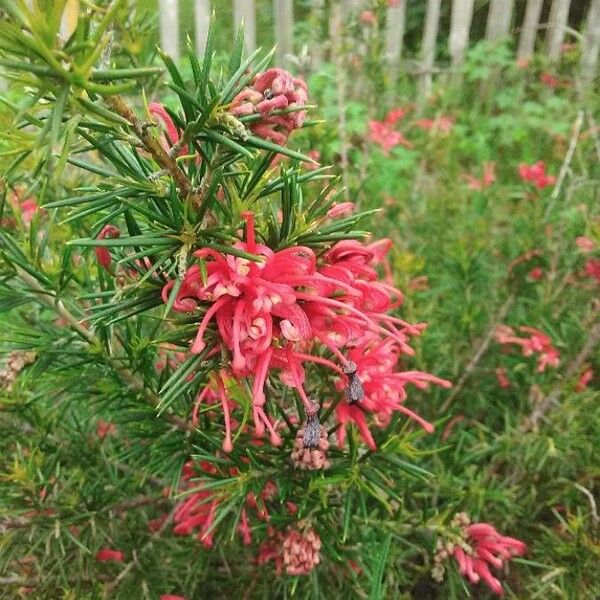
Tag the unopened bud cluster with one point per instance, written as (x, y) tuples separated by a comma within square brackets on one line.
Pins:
[(15, 363), (310, 446), (301, 551)]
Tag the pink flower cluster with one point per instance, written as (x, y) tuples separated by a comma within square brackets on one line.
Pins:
[(592, 268), (485, 181), (287, 310), (537, 343), (485, 548), (383, 133), (441, 124), (273, 91), (536, 174)]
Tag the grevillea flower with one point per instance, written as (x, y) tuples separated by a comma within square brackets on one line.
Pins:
[(592, 268), (536, 273), (102, 252), (476, 548), (367, 17), (584, 379), (109, 555), (537, 343), (170, 133), (287, 310), (441, 124), (171, 597), (271, 91), (536, 174), (585, 244), (383, 135), (488, 549), (384, 386), (486, 180), (341, 209), (105, 428), (502, 377)]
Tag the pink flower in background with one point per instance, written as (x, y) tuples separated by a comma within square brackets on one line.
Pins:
[(395, 115), (536, 174), (486, 180), (171, 597), (392, 3), (367, 17), (585, 244), (170, 134), (442, 124), (550, 81), (271, 91), (503, 380), (486, 548), (28, 209), (385, 137), (584, 379), (105, 428), (592, 268), (108, 555), (537, 343), (102, 252), (536, 273)]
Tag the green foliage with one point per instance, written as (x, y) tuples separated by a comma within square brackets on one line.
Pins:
[(72, 144)]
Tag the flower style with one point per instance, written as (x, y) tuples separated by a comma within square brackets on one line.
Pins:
[(536, 174), (170, 134), (102, 252), (271, 91)]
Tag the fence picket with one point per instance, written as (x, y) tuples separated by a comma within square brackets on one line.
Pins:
[(394, 32), (244, 10), (559, 16), (169, 27), (499, 19), (284, 30), (529, 29), (591, 42), (460, 24), (201, 23), (430, 32)]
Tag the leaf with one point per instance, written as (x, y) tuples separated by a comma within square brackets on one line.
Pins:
[(377, 590)]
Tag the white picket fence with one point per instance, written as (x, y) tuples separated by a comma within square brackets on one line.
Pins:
[(500, 24)]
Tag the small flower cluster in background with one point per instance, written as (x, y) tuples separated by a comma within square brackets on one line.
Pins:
[(536, 343)]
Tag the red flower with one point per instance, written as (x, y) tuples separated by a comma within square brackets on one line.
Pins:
[(503, 380), (171, 597), (108, 555), (273, 90), (592, 268), (102, 252), (536, 174), (367, 17), (536, 343), (584, 379), (536, 273), (382, 134), (342, 209), (105, 428), (486, 547)]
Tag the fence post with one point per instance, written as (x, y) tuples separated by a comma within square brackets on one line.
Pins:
[(284, 30), (244, 10), (201, 23), (460, 24), (395, 20), (430, 32), (529, 29), (169, 27), (559, 17), (591, 43), (499, 19), (316, 16)]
